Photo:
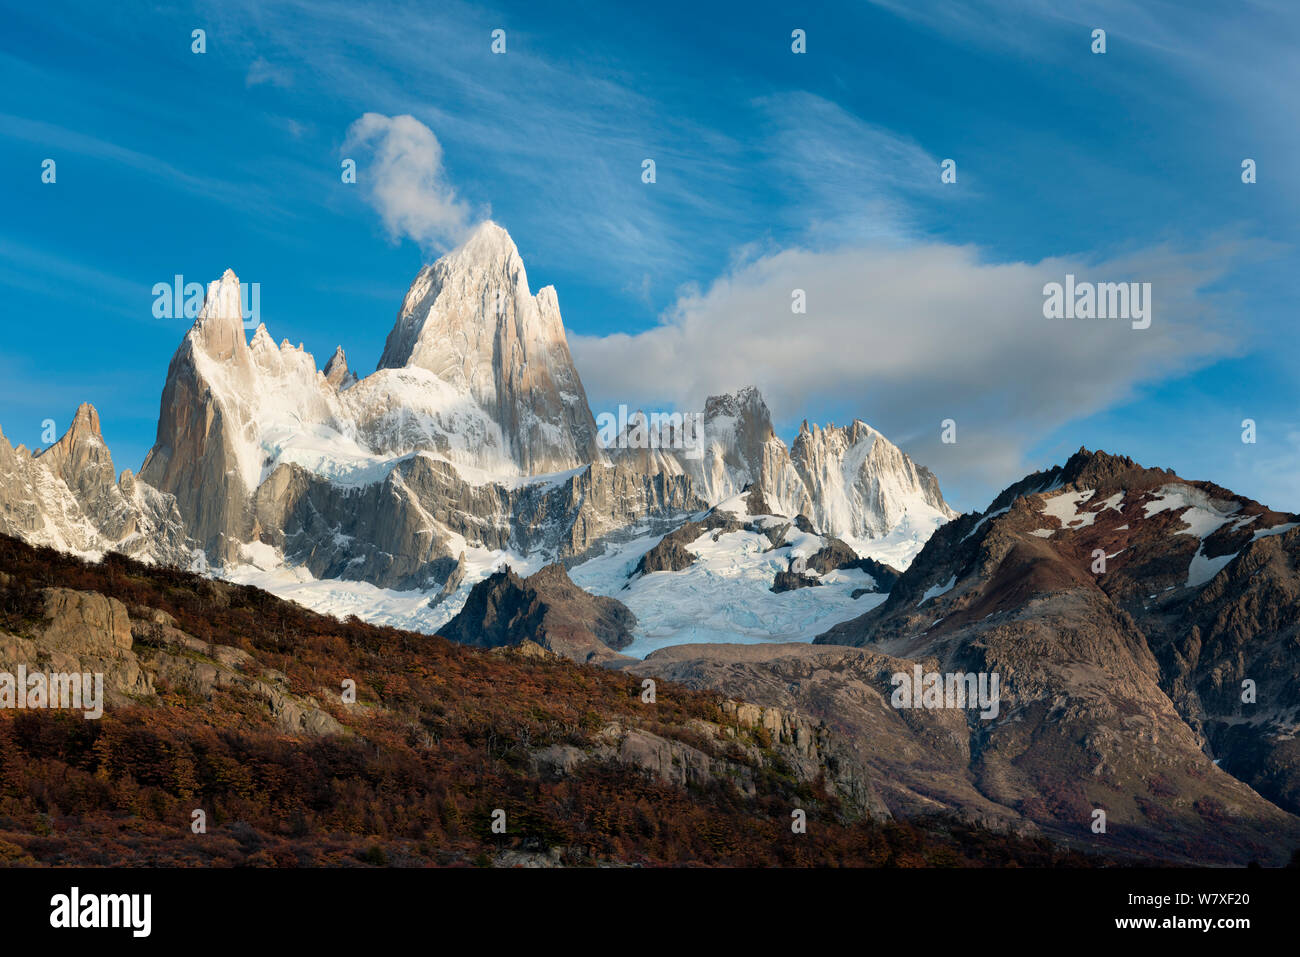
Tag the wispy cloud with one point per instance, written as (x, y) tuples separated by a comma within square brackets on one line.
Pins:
[(52, 275), (262, 71), (843, 178), (1238, 58), (404, 180)]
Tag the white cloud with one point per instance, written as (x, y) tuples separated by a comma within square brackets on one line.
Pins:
[(905, 338), (263, 71), (404, 180)]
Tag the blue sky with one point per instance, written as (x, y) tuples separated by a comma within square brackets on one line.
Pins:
[(775, 171)]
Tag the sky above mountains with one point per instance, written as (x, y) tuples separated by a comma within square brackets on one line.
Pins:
[(774, 172)]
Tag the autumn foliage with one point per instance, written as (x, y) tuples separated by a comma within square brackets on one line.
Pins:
[(440, 737)]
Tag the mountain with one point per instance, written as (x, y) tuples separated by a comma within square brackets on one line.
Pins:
[(471, 320), (69, 497), (1143, 627), (1107, 700), (851, 482), (860, 486), (389, 478), (471, 446), (1125, 610)]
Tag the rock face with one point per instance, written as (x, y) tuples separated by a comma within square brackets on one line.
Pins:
[(789, 581), (546, 609), (68, 497), (673, 554), (1242, 626), (231, 411), (908, 762), (182, 661), (336, 371), (1039, 768), (453, 439), (857, 483), (81, 633), (84, 632), (803, 749), (408, 530), (742, 450), (1091, 589)]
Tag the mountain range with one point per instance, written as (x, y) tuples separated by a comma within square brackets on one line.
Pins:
[(471, 445), (1145, 628)]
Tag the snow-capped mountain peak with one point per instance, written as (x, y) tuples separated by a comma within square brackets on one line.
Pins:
[(471, 320)]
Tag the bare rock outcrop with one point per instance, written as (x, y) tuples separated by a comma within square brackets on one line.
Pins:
[(182, 661), (546, 609), (84, 632), (81, 633)]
